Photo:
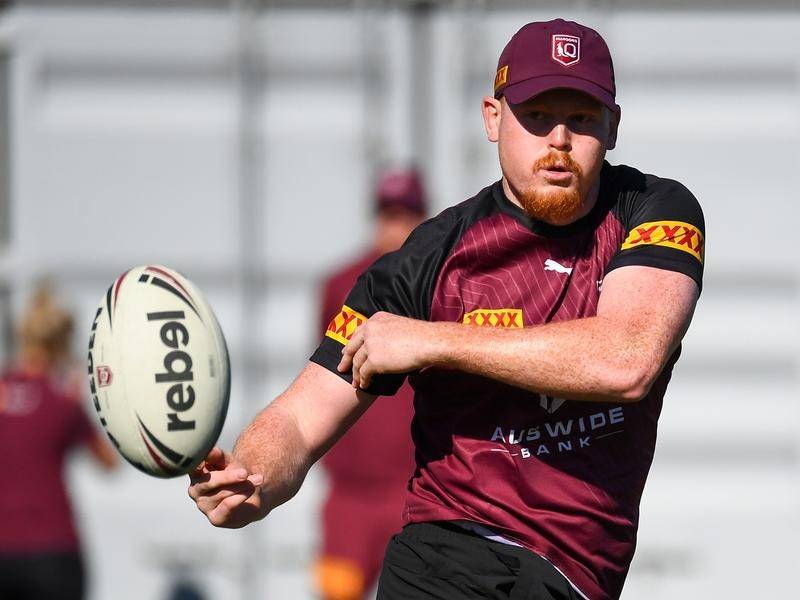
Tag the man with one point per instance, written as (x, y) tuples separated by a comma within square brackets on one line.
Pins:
[(369, 467), (539, 320)]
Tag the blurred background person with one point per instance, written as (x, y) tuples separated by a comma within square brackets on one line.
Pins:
[(41, 419), (369, 467)]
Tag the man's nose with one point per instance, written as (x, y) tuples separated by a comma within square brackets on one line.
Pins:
[(560, 138)]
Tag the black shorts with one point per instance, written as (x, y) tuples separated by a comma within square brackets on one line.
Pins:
[(444, 561), (42, 577)]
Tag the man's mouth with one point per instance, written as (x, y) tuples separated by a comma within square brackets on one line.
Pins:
[(556, 173)]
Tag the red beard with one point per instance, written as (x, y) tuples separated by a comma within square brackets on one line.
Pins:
[(557, 206)]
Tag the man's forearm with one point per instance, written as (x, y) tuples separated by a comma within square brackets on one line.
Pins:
[(273, 446), (585, 359), (615, 356)]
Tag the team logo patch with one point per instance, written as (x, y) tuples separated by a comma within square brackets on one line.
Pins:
[(104, 376), (550, 404), (501, 77), (508, 318), (671, 234), (344, 325), (566, 49)]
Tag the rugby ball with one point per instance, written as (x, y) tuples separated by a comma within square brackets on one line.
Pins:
[(158, 371)]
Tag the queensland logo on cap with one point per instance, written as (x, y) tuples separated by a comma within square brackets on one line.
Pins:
[(566, 49)]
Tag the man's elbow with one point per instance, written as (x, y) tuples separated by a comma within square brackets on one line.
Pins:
[(632, 383)]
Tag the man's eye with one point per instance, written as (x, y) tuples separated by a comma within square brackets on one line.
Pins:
[(536, 115), (583, 118)]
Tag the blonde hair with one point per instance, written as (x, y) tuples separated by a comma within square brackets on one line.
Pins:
[(45, 325)]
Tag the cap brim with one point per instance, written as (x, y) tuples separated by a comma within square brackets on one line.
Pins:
[(517, 93)]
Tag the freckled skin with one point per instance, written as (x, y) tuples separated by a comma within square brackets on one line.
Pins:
[(613, 356)]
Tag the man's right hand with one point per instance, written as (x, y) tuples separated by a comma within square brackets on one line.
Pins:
[(225, 492), (284, 439)]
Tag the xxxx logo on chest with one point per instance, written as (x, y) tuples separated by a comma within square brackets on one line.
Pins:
[(499, 317), (671, 234), (344, 325)]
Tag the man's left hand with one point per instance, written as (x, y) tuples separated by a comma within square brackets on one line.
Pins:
[(387, 343)]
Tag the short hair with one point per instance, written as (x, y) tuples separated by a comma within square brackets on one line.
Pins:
[(45, 323)]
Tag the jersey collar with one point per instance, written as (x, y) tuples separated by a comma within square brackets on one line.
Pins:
[(545, 229)]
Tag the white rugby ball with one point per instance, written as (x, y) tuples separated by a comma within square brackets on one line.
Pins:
[(158, 371)]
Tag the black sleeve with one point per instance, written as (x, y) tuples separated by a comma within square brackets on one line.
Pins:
[(400, 283), (665, 229)]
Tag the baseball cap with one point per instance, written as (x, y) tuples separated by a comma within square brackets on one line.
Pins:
[(401, 188), (543, 56)]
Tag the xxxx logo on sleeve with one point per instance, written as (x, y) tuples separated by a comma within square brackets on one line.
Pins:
[(672, 234), (510, 318), (344, 325)]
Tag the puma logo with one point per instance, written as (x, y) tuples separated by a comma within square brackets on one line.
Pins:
[(551, 265)]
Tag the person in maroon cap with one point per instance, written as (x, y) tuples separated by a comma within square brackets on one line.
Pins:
[(538, 323), (369, 467)]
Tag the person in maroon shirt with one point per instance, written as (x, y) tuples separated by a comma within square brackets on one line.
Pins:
[(538, 323), (369, 467), (41, 419)]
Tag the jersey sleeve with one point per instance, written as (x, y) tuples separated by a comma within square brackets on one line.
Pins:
[(328, 306), (665, 229), (400, 283)]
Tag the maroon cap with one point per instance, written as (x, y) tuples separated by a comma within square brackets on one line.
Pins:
[(556, 54), (401, 188)]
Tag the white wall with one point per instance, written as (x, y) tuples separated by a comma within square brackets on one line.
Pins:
[(126, 149)]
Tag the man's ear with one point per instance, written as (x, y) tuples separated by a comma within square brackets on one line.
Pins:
[(613, 128), (491, 108)]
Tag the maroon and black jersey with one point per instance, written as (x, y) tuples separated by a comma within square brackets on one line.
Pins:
[(562, 478)]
